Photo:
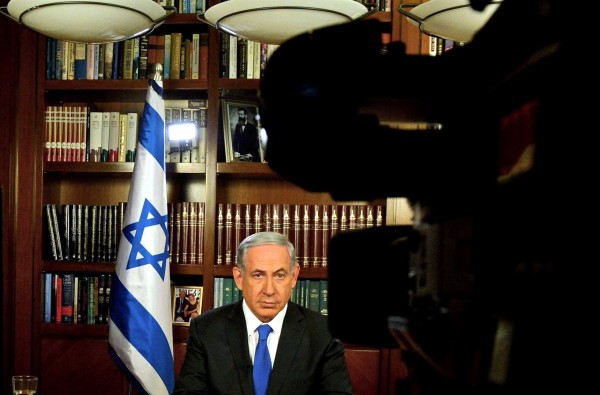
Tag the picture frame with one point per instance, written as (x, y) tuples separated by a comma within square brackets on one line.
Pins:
[(253, 141), (192, 293)]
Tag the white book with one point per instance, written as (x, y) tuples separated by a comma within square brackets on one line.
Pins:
[(233, 43), (105, 136), (113, 137), (95, 136), (132, 134), (256, 74), (250, 59), (195, 55)]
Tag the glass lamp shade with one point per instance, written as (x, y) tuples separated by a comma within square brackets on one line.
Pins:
[(89, 21), (274, 21), (449, 19)]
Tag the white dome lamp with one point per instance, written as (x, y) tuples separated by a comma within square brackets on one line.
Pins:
[(274, 21), (89, 21), (452, 20)]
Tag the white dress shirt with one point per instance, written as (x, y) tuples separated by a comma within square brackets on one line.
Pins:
[(252, 324)]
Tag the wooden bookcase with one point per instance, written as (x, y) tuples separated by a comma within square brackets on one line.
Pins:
[(74, 358)]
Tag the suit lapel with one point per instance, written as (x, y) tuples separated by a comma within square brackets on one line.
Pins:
[(238, 346), (292, 332)]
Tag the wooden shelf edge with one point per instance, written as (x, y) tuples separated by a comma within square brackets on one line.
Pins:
[(245, 169), (118, 167), (122, 85), (98, 331), (109, 267)]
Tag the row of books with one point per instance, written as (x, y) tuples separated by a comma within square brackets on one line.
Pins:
[(91, 233), (76, 134), (186, 149), (308, 227), (70, 298), (437, 45), (185, 6), (186, 233), (83, 233), (311, 294), (242, 58), (180, 56)]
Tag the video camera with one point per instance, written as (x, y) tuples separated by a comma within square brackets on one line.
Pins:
[(473, 286)]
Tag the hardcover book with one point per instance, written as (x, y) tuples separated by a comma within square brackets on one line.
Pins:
[(95, 136), (67, 298)]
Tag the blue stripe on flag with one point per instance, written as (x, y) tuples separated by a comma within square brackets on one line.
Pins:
[(152, 122), (142, 330)]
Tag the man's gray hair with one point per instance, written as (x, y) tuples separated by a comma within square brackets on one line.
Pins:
[(264, 238)]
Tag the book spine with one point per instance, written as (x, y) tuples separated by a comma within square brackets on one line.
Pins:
[(228, 234), (113, 137), (67, 301), (57, 234), (220, 230), (317, 238), (95, 144), (79, 232), (176, 42), (122, 145), (85, 229), (75, 299), (185, 226), (47, 297), (193, 232), (171, 228), (50, 227), (201, 224), (132, 133), (306, 236), (237, 231), (325, 234)]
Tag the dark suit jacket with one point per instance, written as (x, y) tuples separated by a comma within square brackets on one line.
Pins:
[(308, 360)]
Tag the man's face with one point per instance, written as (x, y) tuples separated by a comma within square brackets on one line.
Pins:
[(242, 116), (182, 294), (267, 284)]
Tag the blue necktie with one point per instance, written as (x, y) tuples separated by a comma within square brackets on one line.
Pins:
[(262, 362)]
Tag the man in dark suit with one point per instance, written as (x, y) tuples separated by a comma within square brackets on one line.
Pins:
[(305, 359), (245, 139), (180, 304)]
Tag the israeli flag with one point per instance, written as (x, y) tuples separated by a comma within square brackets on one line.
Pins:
[(140, 326)]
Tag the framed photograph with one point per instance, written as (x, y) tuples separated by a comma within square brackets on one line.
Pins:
[(241, 126), (187, 303)]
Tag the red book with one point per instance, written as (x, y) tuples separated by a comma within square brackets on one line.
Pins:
[(58, 290)]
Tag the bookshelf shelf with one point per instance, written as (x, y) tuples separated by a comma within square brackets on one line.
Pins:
[(122, 85), (118, 167), (109, 267), (97, 331)]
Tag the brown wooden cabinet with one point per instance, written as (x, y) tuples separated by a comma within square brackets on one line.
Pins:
[(72, 359)]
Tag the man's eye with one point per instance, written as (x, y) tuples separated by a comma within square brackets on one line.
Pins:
[(257, 275)]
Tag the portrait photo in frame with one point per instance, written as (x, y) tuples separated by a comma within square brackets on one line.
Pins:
[(187, 303), (244, 141)]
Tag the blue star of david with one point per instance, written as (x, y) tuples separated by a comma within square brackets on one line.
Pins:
[(133, 232)]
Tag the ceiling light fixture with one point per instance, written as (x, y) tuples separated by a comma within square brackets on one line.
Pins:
[(274, 21), (88, 21), (448, 19)]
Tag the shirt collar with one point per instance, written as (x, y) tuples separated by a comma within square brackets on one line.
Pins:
[(252, 322)]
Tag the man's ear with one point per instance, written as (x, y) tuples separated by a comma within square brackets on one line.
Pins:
[(237, 277), (295, 275)]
